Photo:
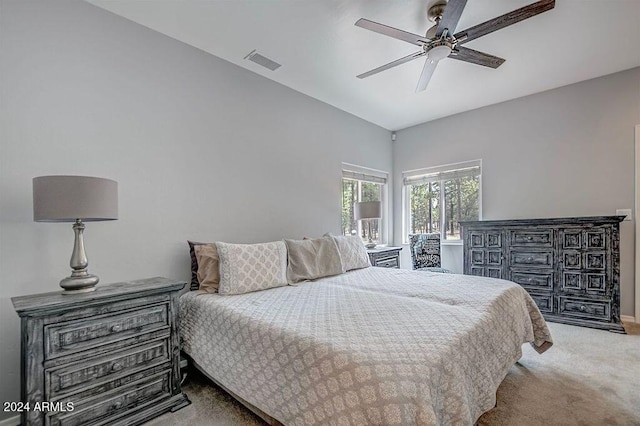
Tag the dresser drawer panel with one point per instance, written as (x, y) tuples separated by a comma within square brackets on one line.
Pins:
[(595, 260), (596, 239), (596, 283), (584, 308), (115, 403), (485, 239), (74, 336), (531, 238), (477, 257), (69, 378), (544, 302), (493, 272), (571, 281), (533, 281), (532, 259), (387, 262)]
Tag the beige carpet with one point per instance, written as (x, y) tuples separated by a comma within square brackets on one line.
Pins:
[(589, 377)]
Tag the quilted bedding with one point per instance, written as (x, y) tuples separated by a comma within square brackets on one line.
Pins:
[(373, 346)]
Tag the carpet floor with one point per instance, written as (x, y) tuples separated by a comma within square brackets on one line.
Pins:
[(588, 377)]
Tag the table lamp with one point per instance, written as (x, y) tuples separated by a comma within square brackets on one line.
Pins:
[(75, 199), (368, 210)]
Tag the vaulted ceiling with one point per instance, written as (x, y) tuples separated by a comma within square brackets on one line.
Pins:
[(321, 51)]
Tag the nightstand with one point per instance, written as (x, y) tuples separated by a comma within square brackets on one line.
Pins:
[(385, 257), (108, 356)]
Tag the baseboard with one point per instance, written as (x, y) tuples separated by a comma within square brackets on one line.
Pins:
[(11, 421), (624, 318)]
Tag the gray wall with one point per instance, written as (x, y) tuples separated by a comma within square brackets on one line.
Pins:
[(564, 152), (201, 149)]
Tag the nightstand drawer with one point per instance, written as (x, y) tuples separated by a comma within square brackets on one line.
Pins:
[(74, 336), (116, 403), (388, 262), (70, 378)]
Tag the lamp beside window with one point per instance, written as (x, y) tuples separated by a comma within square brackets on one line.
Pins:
[(75, 199), (368, 210)]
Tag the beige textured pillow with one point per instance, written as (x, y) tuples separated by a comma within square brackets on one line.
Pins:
[(312, 258), (208, 267), (352, 252), (251, 267)]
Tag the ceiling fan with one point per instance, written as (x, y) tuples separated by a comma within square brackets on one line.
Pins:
[(441, 40)]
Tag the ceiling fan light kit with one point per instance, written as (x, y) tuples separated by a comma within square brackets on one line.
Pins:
[(441, 41)]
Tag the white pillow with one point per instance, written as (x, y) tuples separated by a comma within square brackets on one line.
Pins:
[(251, 267), (352, 252)]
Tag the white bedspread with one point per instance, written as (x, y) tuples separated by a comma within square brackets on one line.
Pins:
[(373, 346)]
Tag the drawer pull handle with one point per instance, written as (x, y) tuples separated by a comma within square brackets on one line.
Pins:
[(529, 280), (116, 366), (116, 328), (117, 405), (529, 259), (529, 238), (583, 308)]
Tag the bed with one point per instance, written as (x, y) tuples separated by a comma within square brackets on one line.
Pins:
[(370, 346)]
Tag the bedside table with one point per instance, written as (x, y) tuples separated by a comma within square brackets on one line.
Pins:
[(385, 257), (111, 355)]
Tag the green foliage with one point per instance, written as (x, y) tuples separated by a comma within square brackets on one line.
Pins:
[(461, 202)]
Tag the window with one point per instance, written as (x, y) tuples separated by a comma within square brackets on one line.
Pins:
[(362, 184), (437, 199)]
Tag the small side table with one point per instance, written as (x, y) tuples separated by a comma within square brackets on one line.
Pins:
[(385, 257)]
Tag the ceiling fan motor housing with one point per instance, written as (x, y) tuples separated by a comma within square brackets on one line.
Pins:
[(436, 10)]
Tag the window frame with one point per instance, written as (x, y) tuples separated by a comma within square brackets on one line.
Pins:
[(366, 174), (437, 170)]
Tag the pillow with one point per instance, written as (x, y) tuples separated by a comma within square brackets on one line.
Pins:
[(352, 252), (251, 267), (312, 258), (208, 269), (194, 264)]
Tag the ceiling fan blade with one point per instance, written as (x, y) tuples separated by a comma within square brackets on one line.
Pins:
[(425, 76), (505, 20), (395, 63), (392, 32), (451, 16), (475, 57)]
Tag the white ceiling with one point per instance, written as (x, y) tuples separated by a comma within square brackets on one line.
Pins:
[(321, 51)]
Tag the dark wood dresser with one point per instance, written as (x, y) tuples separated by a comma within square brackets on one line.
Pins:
[(106, 357), (385, 257), (569, 266)]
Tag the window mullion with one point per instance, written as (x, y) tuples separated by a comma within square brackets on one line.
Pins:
[(443, 212)]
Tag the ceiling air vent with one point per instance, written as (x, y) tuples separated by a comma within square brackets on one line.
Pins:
[(262, 60)]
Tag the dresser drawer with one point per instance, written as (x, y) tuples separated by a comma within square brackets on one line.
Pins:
[(544, 302), (116, 403), (70, 378), (584, 308), (542, 281), (532, 259), (74, 336), (531, 238)]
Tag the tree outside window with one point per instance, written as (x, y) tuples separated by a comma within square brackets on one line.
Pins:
[(437, 201)]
